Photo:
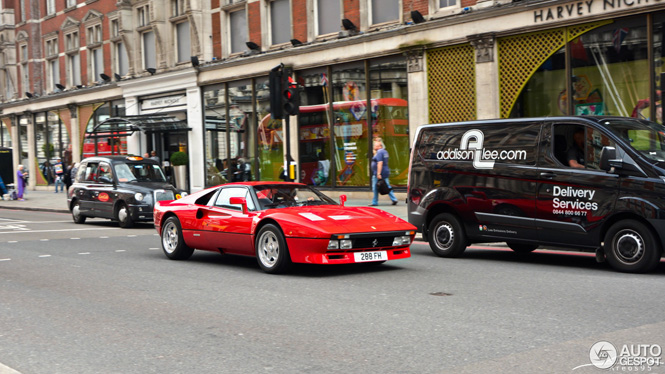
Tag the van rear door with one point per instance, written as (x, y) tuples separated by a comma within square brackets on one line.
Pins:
[(573, 201)]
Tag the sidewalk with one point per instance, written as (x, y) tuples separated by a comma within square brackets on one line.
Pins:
[(46, 200)]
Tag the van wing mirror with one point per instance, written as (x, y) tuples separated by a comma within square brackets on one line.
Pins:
[(608, 159)]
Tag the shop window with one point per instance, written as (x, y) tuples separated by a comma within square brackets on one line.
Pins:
[(240, 114), (328, 16), (389, 113), (269, 154), (655, 108), (215, 135), (314, 147), (5, 136), (280, 21)]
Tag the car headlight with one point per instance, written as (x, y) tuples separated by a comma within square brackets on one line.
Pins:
[(402, 240), (333, 244), (345, 244), (138, 196)]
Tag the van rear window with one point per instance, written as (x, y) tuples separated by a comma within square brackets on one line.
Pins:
[(485, 145)]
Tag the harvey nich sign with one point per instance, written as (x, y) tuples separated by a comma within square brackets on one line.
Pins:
[(586, 7)]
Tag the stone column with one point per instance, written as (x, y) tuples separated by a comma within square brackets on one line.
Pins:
[(487, 76), (135, 144), (417, 88), (31, 164), (195, 140), (76, 133)]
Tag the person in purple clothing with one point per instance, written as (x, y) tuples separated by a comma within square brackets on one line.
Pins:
[(380, 170), (20, 181)]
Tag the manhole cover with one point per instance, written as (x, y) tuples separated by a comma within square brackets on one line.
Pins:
[(441, 294)]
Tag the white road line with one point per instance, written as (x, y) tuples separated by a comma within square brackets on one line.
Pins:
[(153, 249), (5, 259), (75, 238), (32, 231), (43, 240), (7, 370), (22, 221), (121, 250), (13, 241), (131, 236), (44, 256), (84, 253), (103, 237)]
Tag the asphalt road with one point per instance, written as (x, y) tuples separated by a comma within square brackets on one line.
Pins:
[(94, 298)]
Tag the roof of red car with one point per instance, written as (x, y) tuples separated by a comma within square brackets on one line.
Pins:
[(261, 183)]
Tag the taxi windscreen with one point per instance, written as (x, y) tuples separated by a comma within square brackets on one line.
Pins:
[(139, 172)]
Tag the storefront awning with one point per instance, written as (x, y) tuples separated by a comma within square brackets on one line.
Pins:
[(125, 126)]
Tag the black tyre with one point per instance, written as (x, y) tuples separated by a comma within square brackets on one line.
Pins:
[(124, 217), (271, 251), (446, 236), (76, 213), (522, 248), (631, 247), (173, 244)]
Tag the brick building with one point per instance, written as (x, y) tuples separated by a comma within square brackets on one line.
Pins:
[(366, 68)]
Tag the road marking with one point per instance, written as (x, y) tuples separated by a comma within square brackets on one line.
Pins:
[(5, 259), (84, 253), (7, 370), (31, 231), (103, 237), (131, 236), (44, 256), (121, 250), (75, 238), (13, 241), (43, 240), (153, 249), (23, 221)]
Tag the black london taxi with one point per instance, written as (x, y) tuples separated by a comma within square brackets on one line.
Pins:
[(585, 183), (121, 188)]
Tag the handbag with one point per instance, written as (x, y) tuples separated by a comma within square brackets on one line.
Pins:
[(382, 187)]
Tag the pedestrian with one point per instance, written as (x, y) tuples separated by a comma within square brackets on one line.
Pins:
[(3, 189), (146, 155), (59, 170), (380, 170), (153, 156), (20, 181), (67, 177)]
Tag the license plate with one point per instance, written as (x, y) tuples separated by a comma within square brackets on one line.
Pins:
[(370, 256)]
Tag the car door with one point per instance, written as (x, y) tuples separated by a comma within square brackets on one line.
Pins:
[(87, 188), (227, 228), (573, 201)]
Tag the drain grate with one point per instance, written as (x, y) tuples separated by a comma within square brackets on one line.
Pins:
[(441, 294)]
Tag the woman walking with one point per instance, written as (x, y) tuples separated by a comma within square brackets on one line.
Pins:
[(20, 181)]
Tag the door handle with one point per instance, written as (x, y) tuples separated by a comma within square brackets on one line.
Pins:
[(547, 175)]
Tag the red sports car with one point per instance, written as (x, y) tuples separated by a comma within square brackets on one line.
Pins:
[(280, 223)]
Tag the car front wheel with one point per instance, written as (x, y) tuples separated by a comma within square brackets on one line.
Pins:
[(173, 244), (271, 251), (631, 247)]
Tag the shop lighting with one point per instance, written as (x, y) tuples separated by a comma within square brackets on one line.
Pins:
[(152, 71), (417, 17), (296, 42)]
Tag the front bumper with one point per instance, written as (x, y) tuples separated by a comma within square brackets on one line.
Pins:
[(141, 212), (315, 251)]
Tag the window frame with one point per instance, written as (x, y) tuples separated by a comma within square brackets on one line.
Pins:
[(370, 13)]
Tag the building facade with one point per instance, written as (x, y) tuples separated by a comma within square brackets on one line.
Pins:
[(365, 68)]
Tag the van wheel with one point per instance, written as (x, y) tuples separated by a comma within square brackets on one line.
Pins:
[(631, 247), (124, 217), (446, 236), (522, 248)]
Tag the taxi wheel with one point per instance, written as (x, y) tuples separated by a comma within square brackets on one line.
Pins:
[(173, 244), (271, 251), (631, 247), (124, 218), (76, 213), (446, 236)]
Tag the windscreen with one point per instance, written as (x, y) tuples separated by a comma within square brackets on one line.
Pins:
[(139, 172), (647, 138), (284, 196)]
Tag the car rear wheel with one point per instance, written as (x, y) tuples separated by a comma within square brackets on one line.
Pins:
[(522, 248), (446, 236), (271, 251), (631, 247), (124, 217), (76, 213), (173, 244)]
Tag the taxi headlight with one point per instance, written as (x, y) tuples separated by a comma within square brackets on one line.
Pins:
[(138, 196), (183, 194)]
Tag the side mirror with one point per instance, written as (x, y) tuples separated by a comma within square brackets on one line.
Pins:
[(342, 199), (608, 159), (239, 201)]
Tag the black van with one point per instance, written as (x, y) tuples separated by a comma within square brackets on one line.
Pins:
[(121, 188), (588, 183)]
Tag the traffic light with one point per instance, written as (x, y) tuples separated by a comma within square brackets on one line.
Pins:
[(275, 78), (290, 95)]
